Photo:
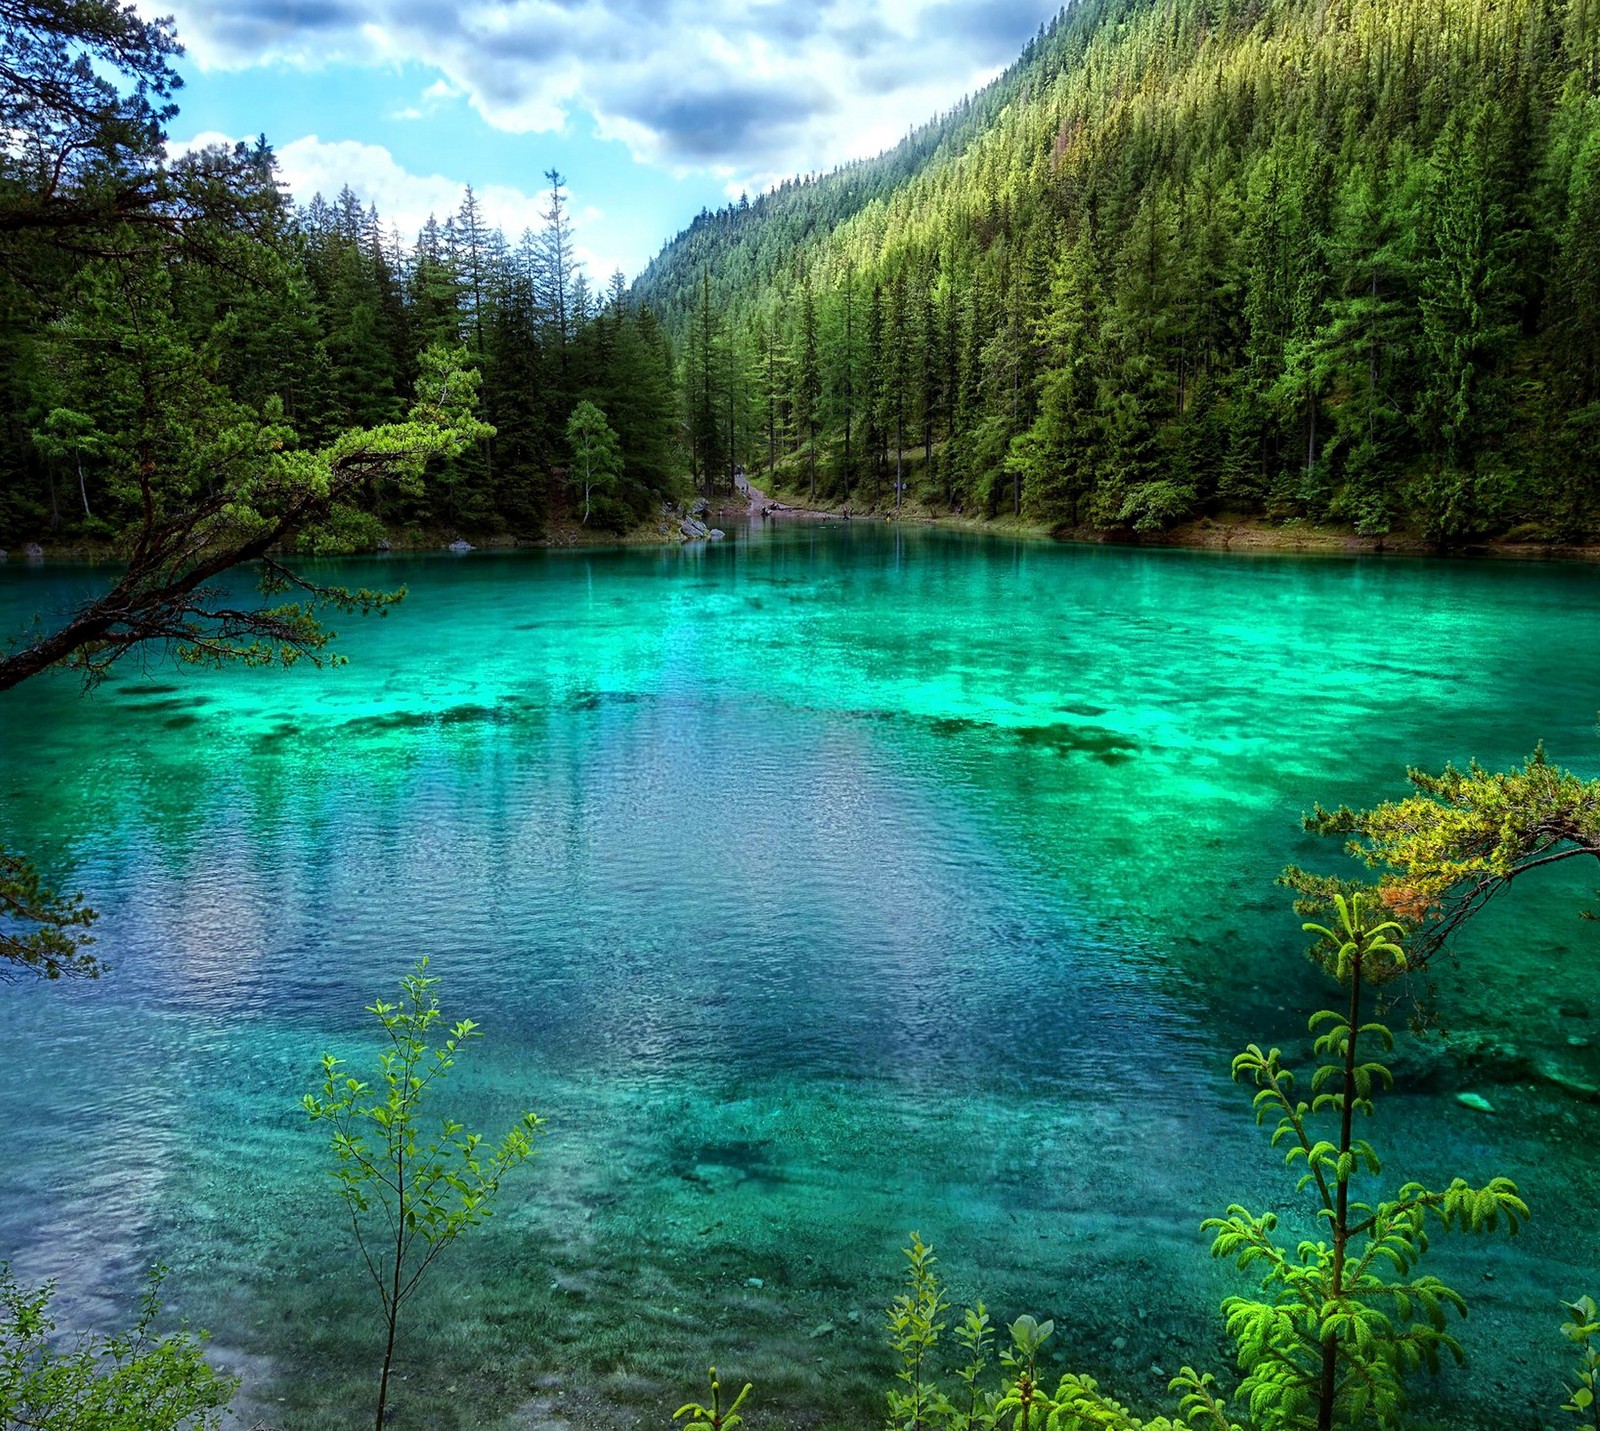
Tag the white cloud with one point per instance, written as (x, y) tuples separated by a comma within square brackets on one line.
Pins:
[(750, 90), (311, 165), (437, 94)]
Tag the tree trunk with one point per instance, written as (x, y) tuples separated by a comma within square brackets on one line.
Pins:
[(1016, 382), (1372, 368), (899, 454), (1311, 429), (772, 411), (393, 1303), (126, 605), (383, 1381), (1341, 1211), (849, 374)]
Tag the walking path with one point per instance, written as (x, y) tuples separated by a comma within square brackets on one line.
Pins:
[(761, 505)]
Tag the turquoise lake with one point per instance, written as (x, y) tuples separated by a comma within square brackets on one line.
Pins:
[(817, 886)]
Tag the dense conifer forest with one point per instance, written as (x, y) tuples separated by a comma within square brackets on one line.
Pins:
[(1334, 260), (152, 310)]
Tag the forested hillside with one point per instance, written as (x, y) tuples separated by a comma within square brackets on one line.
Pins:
[(1331, 259)]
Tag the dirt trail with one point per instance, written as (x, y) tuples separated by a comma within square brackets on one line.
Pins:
[(762, 505)]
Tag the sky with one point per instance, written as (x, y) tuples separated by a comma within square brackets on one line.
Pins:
[(652, 109)]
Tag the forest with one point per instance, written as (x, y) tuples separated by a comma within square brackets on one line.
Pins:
[(785, 876), (151, 305), (1334, 262)]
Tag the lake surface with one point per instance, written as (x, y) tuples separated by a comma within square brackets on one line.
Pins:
[(816, 886)]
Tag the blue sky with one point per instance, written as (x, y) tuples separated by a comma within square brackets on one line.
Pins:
[(653, 109)]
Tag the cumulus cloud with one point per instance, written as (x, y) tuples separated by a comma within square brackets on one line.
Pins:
[(433, 96), (751, 89), (404, 200)]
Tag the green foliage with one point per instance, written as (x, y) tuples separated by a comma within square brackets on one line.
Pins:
[(409, 1185), (1080, 1405), (713, 1417), (232, 488), (1021, 1401), (596, 457), (914, 1330), (1583, 1331), (139, 1380), (1461, 839), (169, 323), (42, 932), (1345, 1317), (970, 1409)]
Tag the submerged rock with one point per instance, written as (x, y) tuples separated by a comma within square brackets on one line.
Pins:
[(714, 535), (1418, 1062), (1495, 1055), (754, 1282), (1475, 1101), (1553, 1073)]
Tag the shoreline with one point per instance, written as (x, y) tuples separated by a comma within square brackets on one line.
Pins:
[(1247, 535), (1233, 535)]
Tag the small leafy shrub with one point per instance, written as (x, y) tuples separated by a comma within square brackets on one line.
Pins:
[(914, 1331), (410, 1192), (1583, 1331), (1021, 1400), (136, 1381)]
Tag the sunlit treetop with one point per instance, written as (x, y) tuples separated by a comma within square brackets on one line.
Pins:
[(1461, 839)]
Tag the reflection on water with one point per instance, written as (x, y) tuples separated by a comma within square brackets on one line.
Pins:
[(816, 887)]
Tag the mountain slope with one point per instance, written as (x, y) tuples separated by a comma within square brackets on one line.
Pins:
[(1332, 259)]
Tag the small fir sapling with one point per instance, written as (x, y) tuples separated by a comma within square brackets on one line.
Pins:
[(714, 1417), (1344, 1319)]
